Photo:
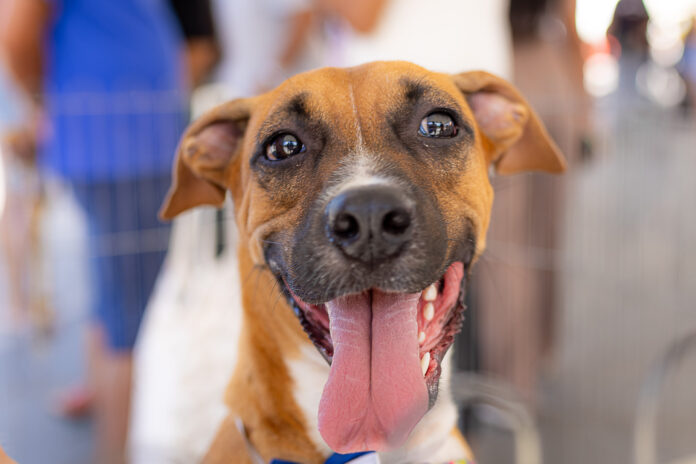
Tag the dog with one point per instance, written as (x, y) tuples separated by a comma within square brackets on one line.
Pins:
[(362, 200), (20, 233)]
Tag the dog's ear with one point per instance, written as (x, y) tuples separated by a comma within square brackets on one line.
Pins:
[(204, 156), (518, 139)]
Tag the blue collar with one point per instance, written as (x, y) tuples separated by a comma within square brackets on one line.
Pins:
[(255, 457), (333, 459)]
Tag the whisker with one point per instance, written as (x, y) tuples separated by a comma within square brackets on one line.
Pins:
[(278, 295)]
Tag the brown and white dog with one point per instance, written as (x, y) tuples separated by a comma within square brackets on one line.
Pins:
[(362, 199)]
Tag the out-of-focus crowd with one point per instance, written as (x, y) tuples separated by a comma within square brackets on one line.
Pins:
[(94, 95)]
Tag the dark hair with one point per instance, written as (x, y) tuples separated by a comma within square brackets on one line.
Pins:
[(525, 16)]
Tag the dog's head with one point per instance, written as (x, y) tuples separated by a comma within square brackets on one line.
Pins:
[(365, 192)]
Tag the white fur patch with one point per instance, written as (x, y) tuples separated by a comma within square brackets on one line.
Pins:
[(309, 374), (358, 127), (358, 170)]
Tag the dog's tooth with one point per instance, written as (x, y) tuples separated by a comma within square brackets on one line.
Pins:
[(430, 293), (425, 362), (421, 337), (429, 311)]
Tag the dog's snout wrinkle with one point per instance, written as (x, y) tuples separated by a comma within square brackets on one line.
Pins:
[(370, 224)]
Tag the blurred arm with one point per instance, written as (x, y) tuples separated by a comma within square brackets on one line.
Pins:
[(202, 54), (197, 25), (21, 41), (23, 25), (300, 26), (363, 15)]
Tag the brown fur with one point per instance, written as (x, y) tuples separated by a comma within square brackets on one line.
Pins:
[(506, 134)]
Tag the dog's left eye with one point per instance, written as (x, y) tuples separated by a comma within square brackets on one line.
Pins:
[(283, 146), (438, 125)]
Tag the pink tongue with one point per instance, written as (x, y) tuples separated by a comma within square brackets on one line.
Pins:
[(376, 393)]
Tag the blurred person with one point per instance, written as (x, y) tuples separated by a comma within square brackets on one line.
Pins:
[(516, 290), (627, 36), (630, 26), (187, 348), (202, 50), (265, 42), (108, 85)]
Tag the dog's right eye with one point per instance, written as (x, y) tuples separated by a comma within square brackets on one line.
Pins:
[(283, 146), (438, 125)]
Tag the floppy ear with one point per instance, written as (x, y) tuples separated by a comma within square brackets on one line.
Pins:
[(518, 138), (204, 156)]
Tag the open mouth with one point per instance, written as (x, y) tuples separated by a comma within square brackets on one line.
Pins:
[(385, 351)]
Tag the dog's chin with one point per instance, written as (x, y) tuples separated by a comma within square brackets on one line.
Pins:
[(385, 350)]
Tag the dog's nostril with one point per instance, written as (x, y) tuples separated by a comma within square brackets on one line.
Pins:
[(346, 226), (396, 222)]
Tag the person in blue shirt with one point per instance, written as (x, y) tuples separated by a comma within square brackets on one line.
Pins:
[(108, 78)]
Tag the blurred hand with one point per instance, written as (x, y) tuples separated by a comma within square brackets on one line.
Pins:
[(362, 15), (22, 141), (202, 55)]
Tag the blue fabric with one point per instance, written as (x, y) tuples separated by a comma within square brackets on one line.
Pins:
[(114, 89), (127, 247), (343, 458), (333, 459)]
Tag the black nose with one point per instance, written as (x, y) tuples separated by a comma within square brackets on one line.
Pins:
[(370, 223)]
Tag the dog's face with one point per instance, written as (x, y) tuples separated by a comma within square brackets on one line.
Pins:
[(365, 192)]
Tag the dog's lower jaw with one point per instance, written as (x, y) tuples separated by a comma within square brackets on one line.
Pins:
[(280, 377), (433, 439), (386, 349)]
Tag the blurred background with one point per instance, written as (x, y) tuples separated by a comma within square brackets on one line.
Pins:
[(580, 339)]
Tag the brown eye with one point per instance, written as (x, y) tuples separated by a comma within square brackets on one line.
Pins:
[(283, 146), (438, 125)]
